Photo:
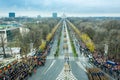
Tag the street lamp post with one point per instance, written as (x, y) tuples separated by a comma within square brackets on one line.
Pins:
[(106, 49), (31, 46)]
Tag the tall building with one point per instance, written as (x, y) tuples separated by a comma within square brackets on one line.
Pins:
[(54, 15), (38, 16), (11, 15), (8, 34)]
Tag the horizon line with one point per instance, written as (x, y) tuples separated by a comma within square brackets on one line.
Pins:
[(59, 14)]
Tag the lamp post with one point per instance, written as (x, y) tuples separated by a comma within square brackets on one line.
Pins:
[(31, 46), (106, 49)]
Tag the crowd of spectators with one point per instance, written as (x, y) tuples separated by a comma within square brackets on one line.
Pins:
[(19, 70), (111, 67)]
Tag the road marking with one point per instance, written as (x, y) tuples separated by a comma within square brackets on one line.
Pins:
[(50, 66), (66, 75), (81, 66), (50, 57)]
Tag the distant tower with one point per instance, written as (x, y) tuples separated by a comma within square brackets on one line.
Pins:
[(38, 16), (54, 15), (11, 15), (63, 16)]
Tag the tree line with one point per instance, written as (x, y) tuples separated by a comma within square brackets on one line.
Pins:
[(39, 32), (101, 31)]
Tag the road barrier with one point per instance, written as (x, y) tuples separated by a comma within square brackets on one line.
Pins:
[(96, 74)]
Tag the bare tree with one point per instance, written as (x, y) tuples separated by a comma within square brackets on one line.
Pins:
[(2, 44)]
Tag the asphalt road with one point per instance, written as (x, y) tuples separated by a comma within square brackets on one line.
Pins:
[(54, 67), (82, 61), (48, 72)]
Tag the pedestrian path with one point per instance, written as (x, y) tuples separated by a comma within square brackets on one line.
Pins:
[(50, 57), (81, 66), (70, 58), (66, 74)]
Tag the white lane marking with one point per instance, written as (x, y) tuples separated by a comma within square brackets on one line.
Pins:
[(63, 75), (81, 66), (50, 66), (50, 57)]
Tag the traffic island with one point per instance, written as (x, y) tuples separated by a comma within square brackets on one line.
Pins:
[(56, 53), (58, 44), (73, 48)]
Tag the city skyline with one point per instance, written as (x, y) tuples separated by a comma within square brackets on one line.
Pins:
[(71, 8)]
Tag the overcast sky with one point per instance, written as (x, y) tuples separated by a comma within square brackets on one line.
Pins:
[(70, 7)]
